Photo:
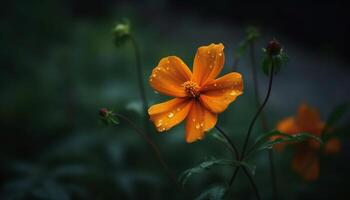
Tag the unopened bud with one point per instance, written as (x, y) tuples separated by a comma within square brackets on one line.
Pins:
[(121, 32), (273, 48), (103, 112)]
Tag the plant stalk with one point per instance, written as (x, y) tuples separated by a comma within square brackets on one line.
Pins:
[(154, 148), (253, 122), (141, 86), (262, 118), (236, 154)]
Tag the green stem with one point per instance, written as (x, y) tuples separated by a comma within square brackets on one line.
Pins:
[(262, 118), (153, 146), (233, 146), (236, 153), (253, 122), (139, 72)]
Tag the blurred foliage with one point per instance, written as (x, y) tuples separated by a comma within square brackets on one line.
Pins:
[(59, 69)]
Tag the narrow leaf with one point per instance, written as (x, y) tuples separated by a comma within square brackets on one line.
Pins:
[(215, 192), (206, 165), (264, 142)]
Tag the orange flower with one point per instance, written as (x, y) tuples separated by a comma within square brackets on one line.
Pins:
[(306, 161), (198, 96)]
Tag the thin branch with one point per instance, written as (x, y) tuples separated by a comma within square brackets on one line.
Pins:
[(250, 178), (263, 117), (253, 122), (140, 79), (153, 147)]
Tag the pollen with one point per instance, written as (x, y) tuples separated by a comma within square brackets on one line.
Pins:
[(191, 88)]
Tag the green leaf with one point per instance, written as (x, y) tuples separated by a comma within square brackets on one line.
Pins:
[(215, 192), (206, 165), (264, 142), (110, 118)]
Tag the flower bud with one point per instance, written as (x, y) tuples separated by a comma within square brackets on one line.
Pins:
[(273, 48), (274, 57), (121, 33), (103, 112)]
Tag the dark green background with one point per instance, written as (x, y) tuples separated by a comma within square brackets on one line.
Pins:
[(59, 66)]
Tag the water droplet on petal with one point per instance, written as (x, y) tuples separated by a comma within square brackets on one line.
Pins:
[(170, 115), (202, 124), (220, 54), (154, 75), (178, 109), (233, 93), (197, 126), (215, 85), (194, 119), (167, 68), (159, 124)]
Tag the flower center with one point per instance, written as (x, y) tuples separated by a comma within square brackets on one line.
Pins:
[(191, 88)]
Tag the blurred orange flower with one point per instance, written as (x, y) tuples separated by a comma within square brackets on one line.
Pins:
[(306, 161), (198, 96)]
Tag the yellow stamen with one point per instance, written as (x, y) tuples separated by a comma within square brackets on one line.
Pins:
[(191, 88)]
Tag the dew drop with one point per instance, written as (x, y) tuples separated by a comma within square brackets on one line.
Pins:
[(159, 124), (155, 92), (194, 119), (220, 54), (233, 93), (178, 109), (167, 68), (202, 124), (154, 75), (170, 115), (197, 126), (215, 85)]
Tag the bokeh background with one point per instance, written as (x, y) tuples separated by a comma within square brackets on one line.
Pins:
[(59, 66)]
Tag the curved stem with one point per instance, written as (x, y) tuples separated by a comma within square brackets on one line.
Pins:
[(153, 147), (263, 117), (253, 122), (251, 126), (140, 78), (250, 178), (233, 146)]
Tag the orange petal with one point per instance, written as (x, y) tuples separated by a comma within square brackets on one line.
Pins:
[(306, 164), (219, 93), (208, 63), (170, 113), (333, 146), (287, 125), (169, 75), (198, 120), (309, 120)]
